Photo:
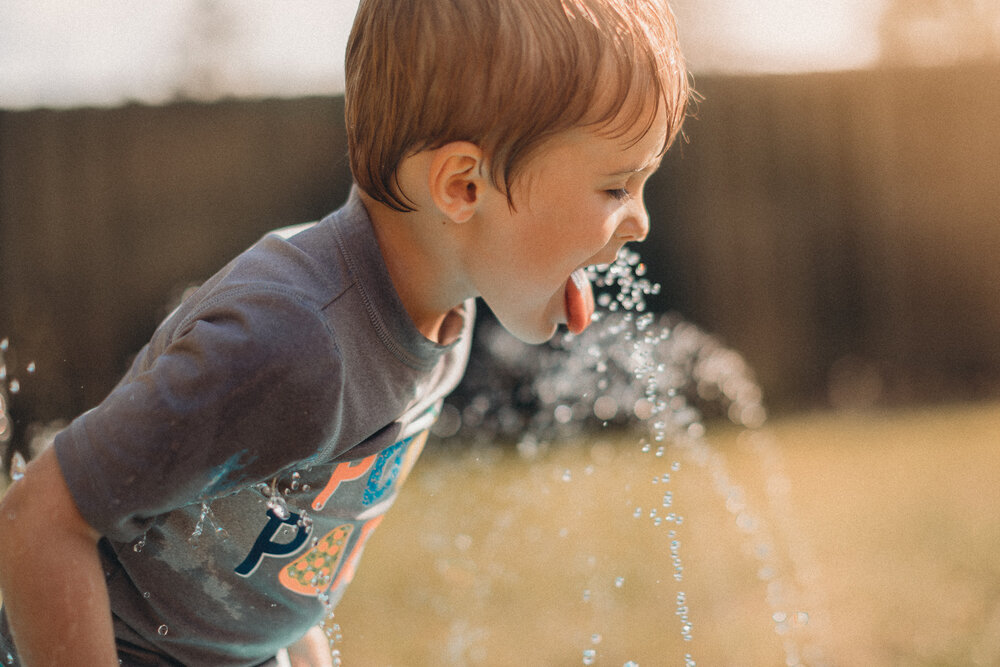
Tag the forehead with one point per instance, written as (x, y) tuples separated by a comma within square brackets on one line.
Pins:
[(633, 139)]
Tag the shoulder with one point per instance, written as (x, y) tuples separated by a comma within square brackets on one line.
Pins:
[(253, 325)]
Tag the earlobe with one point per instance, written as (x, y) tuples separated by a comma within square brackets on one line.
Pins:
[(455, 179)]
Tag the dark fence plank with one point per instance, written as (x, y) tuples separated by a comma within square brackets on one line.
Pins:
[(809, 219)]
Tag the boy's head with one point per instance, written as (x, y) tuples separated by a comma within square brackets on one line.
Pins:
[(504, 75)]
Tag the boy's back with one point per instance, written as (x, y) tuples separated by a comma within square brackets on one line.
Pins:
[(240, 403)]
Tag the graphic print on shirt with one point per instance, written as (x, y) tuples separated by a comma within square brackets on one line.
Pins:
[(332, 559)]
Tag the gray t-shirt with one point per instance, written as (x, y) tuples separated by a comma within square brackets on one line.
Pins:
[(240, 466)]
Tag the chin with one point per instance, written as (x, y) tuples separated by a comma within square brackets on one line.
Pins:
[(533, 335)]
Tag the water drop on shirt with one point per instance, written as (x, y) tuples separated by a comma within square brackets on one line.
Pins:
[(277, 505), (17, 466), (162, 630)]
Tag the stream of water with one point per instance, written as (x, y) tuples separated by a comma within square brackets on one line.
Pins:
[(660, 377)]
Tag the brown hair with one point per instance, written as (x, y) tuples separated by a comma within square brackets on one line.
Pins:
[(505, 75)]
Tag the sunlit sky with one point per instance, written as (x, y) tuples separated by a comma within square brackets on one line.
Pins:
[(106, 52)]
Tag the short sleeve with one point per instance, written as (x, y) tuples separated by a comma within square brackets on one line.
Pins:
[(246, 387)]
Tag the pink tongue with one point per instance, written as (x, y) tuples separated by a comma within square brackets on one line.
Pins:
[(579, 302)]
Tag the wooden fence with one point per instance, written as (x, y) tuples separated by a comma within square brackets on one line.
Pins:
[(106, 215), (843, 223), (809, 220)]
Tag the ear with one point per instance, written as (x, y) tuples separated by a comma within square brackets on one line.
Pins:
[(456, 179)]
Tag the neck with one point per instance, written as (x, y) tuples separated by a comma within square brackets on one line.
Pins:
[(418, 254)]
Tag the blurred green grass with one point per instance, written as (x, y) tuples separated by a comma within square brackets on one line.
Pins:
[(886, 525), (893, 520)]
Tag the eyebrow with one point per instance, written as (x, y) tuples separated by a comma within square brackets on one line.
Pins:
[(648, 167)]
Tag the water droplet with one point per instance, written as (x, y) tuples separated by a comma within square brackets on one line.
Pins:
[(4, 344), (278, 506), (563, 414), (589, 655), (586, 595), (595, 638), (14, 386), (137, 547), (31, 367), (146, 595), (619, 582), (162, 630), (567, 476), (18, 466)]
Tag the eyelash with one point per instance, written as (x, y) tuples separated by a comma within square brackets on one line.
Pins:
[(619, 194)]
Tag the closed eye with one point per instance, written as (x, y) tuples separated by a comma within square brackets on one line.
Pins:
[(619, 194)]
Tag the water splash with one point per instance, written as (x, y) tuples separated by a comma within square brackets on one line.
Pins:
[(12, 382), (658, 375), (333, 637), (206, 517), (9, 387), (276, 501), (18, 466)]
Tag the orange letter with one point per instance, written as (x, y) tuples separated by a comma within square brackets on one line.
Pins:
[(344, 472)]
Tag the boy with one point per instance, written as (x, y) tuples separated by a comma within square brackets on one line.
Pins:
[(498, 148)]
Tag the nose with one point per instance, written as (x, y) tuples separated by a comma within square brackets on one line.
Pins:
[(635, 225)]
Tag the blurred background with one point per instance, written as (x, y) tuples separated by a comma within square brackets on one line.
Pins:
[(833, 215)]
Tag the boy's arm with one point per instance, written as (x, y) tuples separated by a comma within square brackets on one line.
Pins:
[(50, 573), (313, 650)]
